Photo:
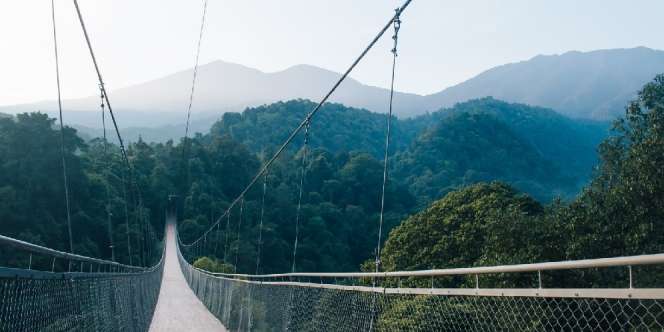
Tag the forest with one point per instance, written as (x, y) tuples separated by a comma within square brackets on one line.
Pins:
[(484, 182)]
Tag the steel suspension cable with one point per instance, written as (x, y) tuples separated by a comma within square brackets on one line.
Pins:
[(101, 84), (126, 212), (239, 231), (109, 221), (185, 143), (260, 227), (193, 82), (123, 150), (228, 225), (395, 37), (216, 243), (307, 119), (62, 132), (303, 174)]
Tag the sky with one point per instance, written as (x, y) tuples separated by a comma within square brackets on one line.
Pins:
[(441, 42)]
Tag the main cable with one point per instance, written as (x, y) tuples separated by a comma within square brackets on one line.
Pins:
[(123, 151), (303, 174), (185, 143), (395, 37), (109, 220), (307, 119), (101, 85), (62, 133)]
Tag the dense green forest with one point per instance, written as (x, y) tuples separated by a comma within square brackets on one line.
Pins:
[(621, 211), (453, 155), (535, 149)]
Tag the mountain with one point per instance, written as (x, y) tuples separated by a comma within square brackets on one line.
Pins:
[(570, 143), (590, 85), (222, 87), (587, 85), (336, 128), (535, 149)]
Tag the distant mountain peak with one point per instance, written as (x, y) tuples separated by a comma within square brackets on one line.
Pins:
[(594, 85)]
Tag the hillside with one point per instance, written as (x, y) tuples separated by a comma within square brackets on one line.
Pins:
[(336, 127), (590, 85), (570, 143), (535, 149), (467, 148), (221, 87)]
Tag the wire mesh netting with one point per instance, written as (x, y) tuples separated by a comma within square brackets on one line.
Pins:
[(252, 306), (79, 301)]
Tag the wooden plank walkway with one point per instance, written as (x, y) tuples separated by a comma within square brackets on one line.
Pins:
[(178, 308)]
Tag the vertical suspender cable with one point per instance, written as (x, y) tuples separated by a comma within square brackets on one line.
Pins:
[(228, 230), (110, 110), (216, 243), (185, 161), (260, 227), (239, 231), (109, 221), (397, 26), (304, 122), (62, 132), (126, 212), (303, 174), (395, 37)]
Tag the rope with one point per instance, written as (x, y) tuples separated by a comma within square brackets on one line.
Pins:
[(62, 132), (301, 189), (306, 120)]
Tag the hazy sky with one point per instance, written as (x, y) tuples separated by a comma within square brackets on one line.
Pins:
[(442, 42)]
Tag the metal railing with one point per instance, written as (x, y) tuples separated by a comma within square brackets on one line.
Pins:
[(33, 249), (359, 301), (82, 294), (627, 262)]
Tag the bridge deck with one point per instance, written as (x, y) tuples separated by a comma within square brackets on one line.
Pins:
[(178, 308)]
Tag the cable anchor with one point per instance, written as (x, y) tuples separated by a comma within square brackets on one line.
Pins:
[(397, 26)]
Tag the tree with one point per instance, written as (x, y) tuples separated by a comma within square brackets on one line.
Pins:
[(480, 225)]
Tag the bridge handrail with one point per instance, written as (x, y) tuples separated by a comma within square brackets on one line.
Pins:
[(624, 261), (37, 249)]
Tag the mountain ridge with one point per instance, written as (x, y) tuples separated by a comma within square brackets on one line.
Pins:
[(588, 85)]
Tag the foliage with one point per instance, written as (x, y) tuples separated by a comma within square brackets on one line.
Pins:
[(213, 265), (480, 225), (455, 154), (467, 148), (622, 211), (337, 128), (552, 156)]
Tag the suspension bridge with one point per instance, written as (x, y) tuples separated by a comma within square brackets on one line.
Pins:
[(63, 291)]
